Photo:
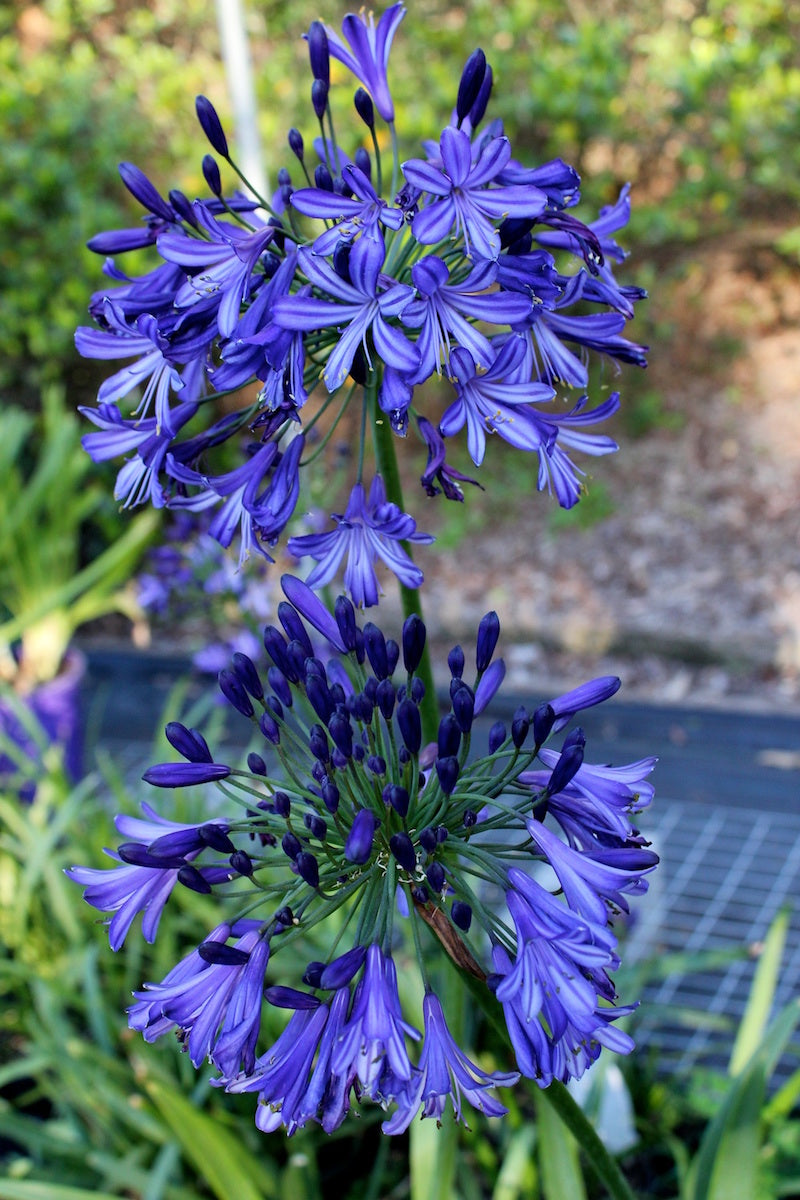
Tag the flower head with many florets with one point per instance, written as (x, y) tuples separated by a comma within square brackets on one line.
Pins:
[(345, 832), (468, 265)]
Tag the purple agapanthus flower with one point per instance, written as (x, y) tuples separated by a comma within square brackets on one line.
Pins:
[(356, 216), (138, 480), (367, 53), (358, 813), (445, 1073), (460, 195), (487, 403), (361, 305), (370, 529)]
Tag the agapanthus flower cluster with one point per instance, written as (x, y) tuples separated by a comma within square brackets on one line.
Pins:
[(362, 279), (351, 845)]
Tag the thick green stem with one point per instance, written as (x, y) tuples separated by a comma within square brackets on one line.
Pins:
[(387, 466)]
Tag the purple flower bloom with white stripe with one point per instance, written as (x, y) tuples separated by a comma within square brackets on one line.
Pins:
[(367, 52), (461, 198), (370, 530), (354, 217)]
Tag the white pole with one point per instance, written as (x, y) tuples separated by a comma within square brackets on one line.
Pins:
[(246, 143)]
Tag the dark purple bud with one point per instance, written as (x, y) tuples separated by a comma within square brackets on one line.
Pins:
[(295, 629), (420, 893), (520, 725), (402, 848), (211, 175), (295, 140), (567, 766), (282, 804), (586, 695), (363, 161), (188, 742), (358, 846), (191, 878), (316, 826), (417, 690), (385, 696), (291, 845), (464, 707), (338, 695), (318, 52), (359, 753), (408, 719), (183, 207), (142, 189), (435, 876), (241, 862), (319, 697), (339, 972), (470, 818), (284, 916), (403, 756), (447, 769), (543, 720), (296, 658), (396, 796), (455, 661), (275, 646), (488, 633), (392, 654), (212, 127), (375, 644), (256, 764), (222, 955), (470, 84), (287, 997), (245, 668), (318, 743), (280, 685), (323, 178), (478, 109), (427, 839), (371, 689), (233, 690), (216, 836), (330, 797), (345, 616), (514, 228), (413, 642), (364, 108), (319, 773), (449, 737), (171, 775), (341, 731), (308, 868), (359, 646), (461, 915), (497, 735), (136, 854), (319, 98), (441, 833), (376, 764), (313, 974)]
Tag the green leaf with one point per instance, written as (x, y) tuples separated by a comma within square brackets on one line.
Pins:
[(762, 994), (33, 1189), (559, 1160), (516, 1179), (217, 1155)]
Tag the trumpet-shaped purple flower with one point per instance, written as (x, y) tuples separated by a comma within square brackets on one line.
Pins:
[(214, 1000), (461, 197), (372, 1042), (222, 265), (138, 480), (438, 469), (370, 529), (362, 305), (359, 215), (487, 403), (442, 313), (367, 53), (445, 1073)]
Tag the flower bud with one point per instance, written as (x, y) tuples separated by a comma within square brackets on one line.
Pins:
[(365, 108), (488, 633), (447, 770), (461, 915), (188, 742), (402, 848), (520, 725), (455, 661), (470, 83), (449, 736), (212, 127), (245, 668), (308, 868), (318, 53), (295, 140), (410, 724), (319, 97), (413, 642), (543, 720), (233, 690), (358, 846), (211, 174), (497, 735)]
